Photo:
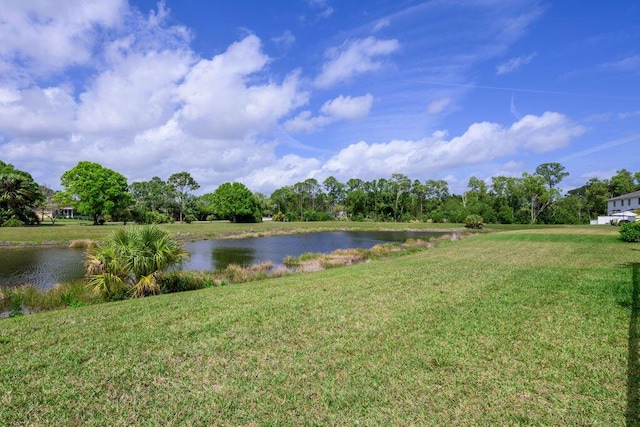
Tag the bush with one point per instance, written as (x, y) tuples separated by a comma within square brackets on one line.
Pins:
[(153, 217), (473, 221), (181, 281), (13, 222), (316, 216), (279, 217), (630, 231), (129, 260)]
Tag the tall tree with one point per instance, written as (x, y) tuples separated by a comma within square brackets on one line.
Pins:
[(313, 189), (436, 194), (621, 183), (95, 190), (356, 199), (300, 189), (267, 206), (476, 191), (553, 173), (401, 187), (335, 193), (235, 202), (284, 200), (596, 194), (539, 197), (419, 192), (508, 195), (182, 183)]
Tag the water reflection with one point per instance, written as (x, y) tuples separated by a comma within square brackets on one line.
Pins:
[(42, 267), (224, 255), (217, 254)]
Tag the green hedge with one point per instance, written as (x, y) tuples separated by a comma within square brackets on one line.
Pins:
[(630, 231)]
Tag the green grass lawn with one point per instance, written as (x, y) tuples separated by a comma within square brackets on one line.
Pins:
[(526, 327)]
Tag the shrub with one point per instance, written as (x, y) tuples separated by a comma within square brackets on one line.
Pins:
[(82, 243), (152, 217), (180, 281), (630, 231), (473, 221), (129, 259), (316, 216), (13, 222), (279, 217)]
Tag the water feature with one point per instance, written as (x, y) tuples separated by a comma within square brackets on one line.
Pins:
[(46, 266), (40, 266)]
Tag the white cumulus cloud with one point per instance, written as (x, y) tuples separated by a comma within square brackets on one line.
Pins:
[(136, 93), (219, 100), (286, 170), (36, 112), (481, 142), (340, 108), (44, 36)]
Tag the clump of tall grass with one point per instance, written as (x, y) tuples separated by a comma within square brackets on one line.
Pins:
[(30, 299), (239, 274), (179, 281), (82, 243), (341, 257)]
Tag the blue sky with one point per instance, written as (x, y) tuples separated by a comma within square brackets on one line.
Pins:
[(273, 93)]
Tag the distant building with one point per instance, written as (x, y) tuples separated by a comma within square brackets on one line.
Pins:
[(66, 212), (625, 202), (620, 209)]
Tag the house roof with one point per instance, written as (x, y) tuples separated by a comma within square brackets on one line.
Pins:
[(627, 196)]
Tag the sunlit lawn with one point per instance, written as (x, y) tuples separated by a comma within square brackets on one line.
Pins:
[(526, 327)]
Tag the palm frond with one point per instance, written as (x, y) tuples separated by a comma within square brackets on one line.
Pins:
[(147, 285)]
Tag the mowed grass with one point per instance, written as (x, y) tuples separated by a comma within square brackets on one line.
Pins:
[(530, 327)]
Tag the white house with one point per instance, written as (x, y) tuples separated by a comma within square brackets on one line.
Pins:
[(626, 202), (621, 208)]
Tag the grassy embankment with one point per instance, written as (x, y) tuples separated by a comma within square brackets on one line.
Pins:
[(525, 327)]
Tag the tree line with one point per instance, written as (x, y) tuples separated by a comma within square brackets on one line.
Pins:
[(528, 199), (102, 194)]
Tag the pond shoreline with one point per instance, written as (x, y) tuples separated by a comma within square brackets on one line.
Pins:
[(60, 295), (190, 236), (27, 299)]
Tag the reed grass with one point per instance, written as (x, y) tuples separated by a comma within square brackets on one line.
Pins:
[(28, 299)]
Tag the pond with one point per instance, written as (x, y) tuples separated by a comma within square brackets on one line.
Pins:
[(46, 266)]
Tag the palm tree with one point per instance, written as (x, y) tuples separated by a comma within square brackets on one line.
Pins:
[(18, 195), (129, 260)]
